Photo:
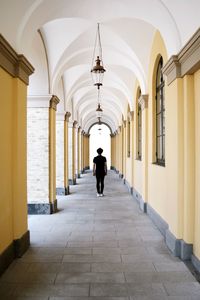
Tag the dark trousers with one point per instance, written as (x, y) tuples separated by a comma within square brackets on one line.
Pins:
[(100, 184)]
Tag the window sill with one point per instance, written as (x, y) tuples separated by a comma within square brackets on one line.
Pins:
[(159, 164)]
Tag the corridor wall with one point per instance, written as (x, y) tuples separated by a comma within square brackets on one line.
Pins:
[(170, 192), (14, 75)]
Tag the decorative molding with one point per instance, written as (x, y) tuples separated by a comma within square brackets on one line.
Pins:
[(143, 101), (67, 116), (15, 64), (75, 124), (38, 101), (42, 208), (186, 62), (53, 102)]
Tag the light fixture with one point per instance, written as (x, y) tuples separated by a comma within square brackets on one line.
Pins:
[(97, 69), (99, 120), (99, 110)]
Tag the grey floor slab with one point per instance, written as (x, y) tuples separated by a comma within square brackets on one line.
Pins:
[(97, 249)]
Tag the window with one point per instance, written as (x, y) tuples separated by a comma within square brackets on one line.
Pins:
[(160, 115), (139, 128)]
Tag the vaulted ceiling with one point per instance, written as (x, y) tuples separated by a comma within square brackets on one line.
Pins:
[(57, 37)]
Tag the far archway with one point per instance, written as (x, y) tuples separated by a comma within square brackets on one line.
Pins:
[(100, 138)]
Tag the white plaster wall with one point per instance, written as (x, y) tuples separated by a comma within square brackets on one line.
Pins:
[(38, 155), (60, 153)]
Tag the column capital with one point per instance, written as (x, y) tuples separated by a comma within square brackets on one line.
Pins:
[(143, 101), (112, 135), (124, 123), (67, 116), (120, 127), (53, 102), (79, 129), (74, 124)]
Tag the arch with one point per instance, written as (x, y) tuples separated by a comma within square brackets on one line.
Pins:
[(99, 124)]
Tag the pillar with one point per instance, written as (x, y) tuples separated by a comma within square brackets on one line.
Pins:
[(60, 186), (52, 153), (79, 152), (144, 107), (120, 153), (189, 164), (66, 162), (74, 152), (71, 153), (124, 148), (14, 78), (82, 151)]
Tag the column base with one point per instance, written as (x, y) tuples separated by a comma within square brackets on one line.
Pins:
[(78, 175), (72, 181), (130, 188), (16, 249), (67, 190), (139, 199), (121, 175), (60, 191), (113, 168), (42, 208)]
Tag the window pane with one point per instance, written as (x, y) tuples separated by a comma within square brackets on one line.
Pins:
[(158, 125)]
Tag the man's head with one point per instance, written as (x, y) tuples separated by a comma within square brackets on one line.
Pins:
[(99, 151)]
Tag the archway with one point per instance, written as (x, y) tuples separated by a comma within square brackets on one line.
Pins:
[(100, 137)]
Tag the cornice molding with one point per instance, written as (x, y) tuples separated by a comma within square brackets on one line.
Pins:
[(53, 102), (15, 64), (74, 124), (143, 101), (67, 116), (186, 62)]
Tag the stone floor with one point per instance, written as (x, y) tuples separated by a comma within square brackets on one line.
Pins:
[(97, 248)]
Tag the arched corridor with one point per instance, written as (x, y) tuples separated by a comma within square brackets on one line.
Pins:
[(97, 247), (133, 67)]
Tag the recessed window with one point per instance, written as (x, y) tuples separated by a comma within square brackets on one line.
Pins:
[(160, 115)]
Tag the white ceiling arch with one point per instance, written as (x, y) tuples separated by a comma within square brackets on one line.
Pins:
[(68, 31)]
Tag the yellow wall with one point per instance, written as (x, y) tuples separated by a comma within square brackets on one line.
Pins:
[(13, 194), (156, 174), (197, 161)]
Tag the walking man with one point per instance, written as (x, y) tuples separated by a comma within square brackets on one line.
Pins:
[(100, 170)]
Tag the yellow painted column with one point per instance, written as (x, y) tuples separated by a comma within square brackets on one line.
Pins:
[(117, 151), (86, 152), (189, 159), (131, 163), (66, 145), (144, 106), (82, 151), (52, 153), (74, 151), (124, 148), (120, 157), (14, 78), (112, 150), (79, 151)]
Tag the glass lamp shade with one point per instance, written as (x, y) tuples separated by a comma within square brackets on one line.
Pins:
[(99, 111), (97, 73)]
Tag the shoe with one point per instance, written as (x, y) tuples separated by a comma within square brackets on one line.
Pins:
[(101, 195), (98, 195)]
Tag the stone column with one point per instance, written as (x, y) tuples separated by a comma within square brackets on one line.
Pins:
[(74, 151), (120, 157), (82, 151), (124, 148), (70, 152), (52, 153), (79, 152), (66, 163), (132, 154), (60, 186), (143, 100), (189, 166), (112, 136)]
